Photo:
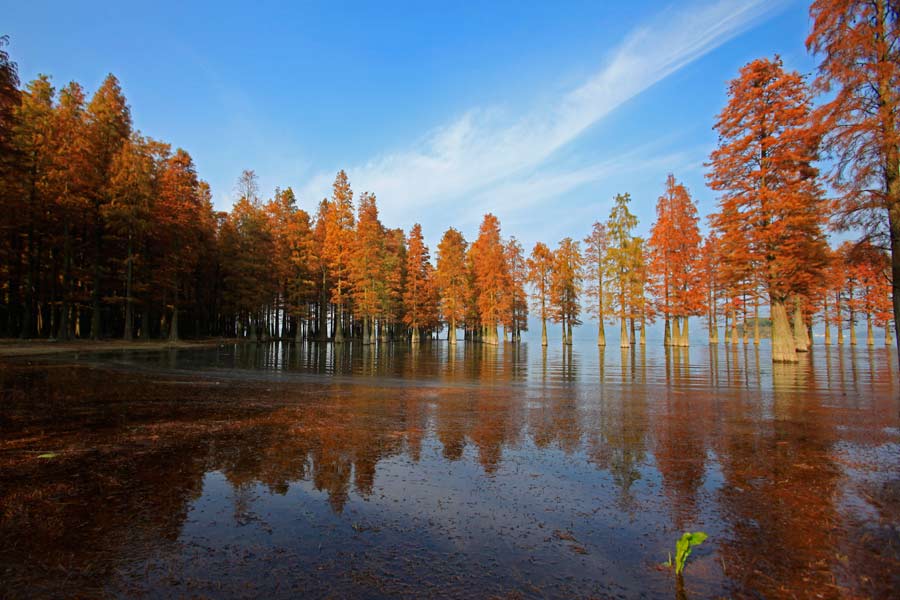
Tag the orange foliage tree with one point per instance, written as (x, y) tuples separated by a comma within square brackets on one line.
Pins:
[(565, 286), (452, 280), (516, 320), (366, 265), (540, 271), (596, 246), (674, 266), (338, 248), (491, 277), (859, 45), (420, 301), (770, 209), (712, 283), (621, 262)]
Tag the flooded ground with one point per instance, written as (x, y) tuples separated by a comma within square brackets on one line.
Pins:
[(511, 472)]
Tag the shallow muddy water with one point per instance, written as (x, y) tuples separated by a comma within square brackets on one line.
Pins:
[(309, 471)]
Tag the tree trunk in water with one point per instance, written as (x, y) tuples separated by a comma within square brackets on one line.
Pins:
[(543, 331), (801, 339), (887, 335), (675, 333), (825, 320), (783, 349), (564, 341), (685, 339), (643, 330), (852, 328), (667, 333), (756, 321), (633, 338), (322, 307), (746, 330), (144, 331), (870, 333), (623, 341), (892, 185), (173, 327), (415, 336), (734, 329), (601, 333), (569, 331), (365, 335)]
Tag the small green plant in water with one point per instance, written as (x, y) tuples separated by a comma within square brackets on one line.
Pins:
[(683, 548)]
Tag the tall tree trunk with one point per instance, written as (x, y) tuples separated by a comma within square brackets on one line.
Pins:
[(685, 338), (746, 330), (601, 326), (451, 335), (623, 341), (95, 292), (322, 310), (801, 339), (65, 329), (129, 307), (783, 349), (892, 187), (667, 332), (734, 329), (755, 320), (173, 326), (870, 333), (839, 325), (713, 322), (674, 332)]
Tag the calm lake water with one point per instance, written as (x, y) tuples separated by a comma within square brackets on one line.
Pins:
[(511, 472)]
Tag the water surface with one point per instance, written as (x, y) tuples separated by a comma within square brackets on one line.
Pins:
[(322, 471)]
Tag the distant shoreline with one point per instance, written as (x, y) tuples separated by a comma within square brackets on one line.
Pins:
[(14, 347)]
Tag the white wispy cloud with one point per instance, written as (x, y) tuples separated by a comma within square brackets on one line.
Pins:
[(487, 151)]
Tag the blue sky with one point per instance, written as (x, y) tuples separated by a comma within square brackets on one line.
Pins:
[(537, 111)]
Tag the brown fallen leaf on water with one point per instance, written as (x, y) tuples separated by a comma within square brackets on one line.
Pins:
[(564, 535)]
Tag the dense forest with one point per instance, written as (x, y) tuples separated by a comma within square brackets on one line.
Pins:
[(105, 232)]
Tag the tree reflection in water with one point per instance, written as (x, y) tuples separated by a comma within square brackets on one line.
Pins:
[(474, 470)]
